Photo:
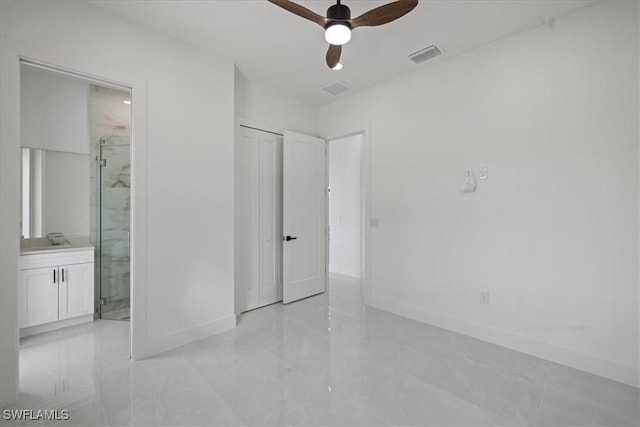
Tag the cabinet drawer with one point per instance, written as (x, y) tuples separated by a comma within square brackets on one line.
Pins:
[(79, 256)]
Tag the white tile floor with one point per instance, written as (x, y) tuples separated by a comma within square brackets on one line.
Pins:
[(326, 360)]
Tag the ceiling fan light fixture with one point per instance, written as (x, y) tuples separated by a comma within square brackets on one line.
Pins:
[(337, 34), (338, 24)]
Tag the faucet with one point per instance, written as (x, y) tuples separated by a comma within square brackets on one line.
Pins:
[(57, 239)]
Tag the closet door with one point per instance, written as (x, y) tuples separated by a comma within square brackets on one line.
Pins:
[(270, 218), (247, 220), (258, 227)]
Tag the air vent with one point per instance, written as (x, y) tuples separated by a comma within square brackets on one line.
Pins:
[(426, 53), (337, 88)]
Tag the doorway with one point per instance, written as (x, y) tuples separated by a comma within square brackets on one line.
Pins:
[(345, 206), (71, 125), (280, 224)]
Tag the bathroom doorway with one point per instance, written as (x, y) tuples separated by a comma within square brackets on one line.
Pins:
[(75, 235), (110, 128)]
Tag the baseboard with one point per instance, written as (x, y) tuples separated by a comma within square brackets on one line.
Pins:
[(188, 335), (346, 276), (48, 327), (585, 362), (345, 271)]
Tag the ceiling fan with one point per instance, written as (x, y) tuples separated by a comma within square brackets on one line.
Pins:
[(338, 23)]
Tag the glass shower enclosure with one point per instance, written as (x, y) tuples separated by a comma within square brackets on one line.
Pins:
[(114, 164)]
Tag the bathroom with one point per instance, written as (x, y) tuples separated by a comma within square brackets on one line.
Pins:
[(75, 222)]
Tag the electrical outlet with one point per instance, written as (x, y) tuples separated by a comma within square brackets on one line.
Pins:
[(484, 297), (375, 223)]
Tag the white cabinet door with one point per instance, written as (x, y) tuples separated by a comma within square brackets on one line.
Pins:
[(304, 216), (38, 296), (76, 290)]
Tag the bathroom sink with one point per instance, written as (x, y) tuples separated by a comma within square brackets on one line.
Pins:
[(39, 244)]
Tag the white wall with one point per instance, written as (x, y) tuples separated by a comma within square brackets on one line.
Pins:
[(263, 106), (553, 232), (54, 110), (344, 206), (182, 206)]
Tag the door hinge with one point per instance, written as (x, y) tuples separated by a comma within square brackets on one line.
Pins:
[(103, 163), (101, 303)]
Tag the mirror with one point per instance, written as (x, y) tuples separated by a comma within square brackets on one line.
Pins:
[(55, 193)]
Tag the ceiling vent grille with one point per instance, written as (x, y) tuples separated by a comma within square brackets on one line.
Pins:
[(336, 88), (426, 53)]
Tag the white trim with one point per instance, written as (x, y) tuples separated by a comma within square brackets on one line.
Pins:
[(241, 121), (188, 335), (606, 368), (327, 249), (47, 327), (9, 220), (257, 125), (70, 73)]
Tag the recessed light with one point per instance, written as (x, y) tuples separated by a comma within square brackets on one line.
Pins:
[(337, 67), (127, 102)]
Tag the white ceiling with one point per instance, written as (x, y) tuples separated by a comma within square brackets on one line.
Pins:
[(287, 52)]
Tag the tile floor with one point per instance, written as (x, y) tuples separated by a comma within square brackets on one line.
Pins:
[(118, 309), (326, 360)]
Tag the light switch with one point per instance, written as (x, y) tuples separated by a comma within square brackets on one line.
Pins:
[(468, 182), (375, 222)]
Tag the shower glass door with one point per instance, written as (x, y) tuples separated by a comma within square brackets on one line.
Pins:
[(114, 227)]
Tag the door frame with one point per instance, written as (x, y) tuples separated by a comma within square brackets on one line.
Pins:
[(365, 201), (13, 53), (363, 129)]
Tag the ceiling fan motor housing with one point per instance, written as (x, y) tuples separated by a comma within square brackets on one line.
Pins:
[(339, 14)]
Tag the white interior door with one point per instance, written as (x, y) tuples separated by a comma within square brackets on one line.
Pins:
[(304, 216)]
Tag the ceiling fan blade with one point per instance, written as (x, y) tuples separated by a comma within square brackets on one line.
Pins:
[(333, 55), (300, 11), (384, 14)]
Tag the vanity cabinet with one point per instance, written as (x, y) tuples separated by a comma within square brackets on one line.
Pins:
[(56, 286), (38, 297), (75, 290)]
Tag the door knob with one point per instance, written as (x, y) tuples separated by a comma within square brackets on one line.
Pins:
[(289, 238)]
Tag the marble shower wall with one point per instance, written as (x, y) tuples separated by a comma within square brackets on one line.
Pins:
[(110, 123)]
